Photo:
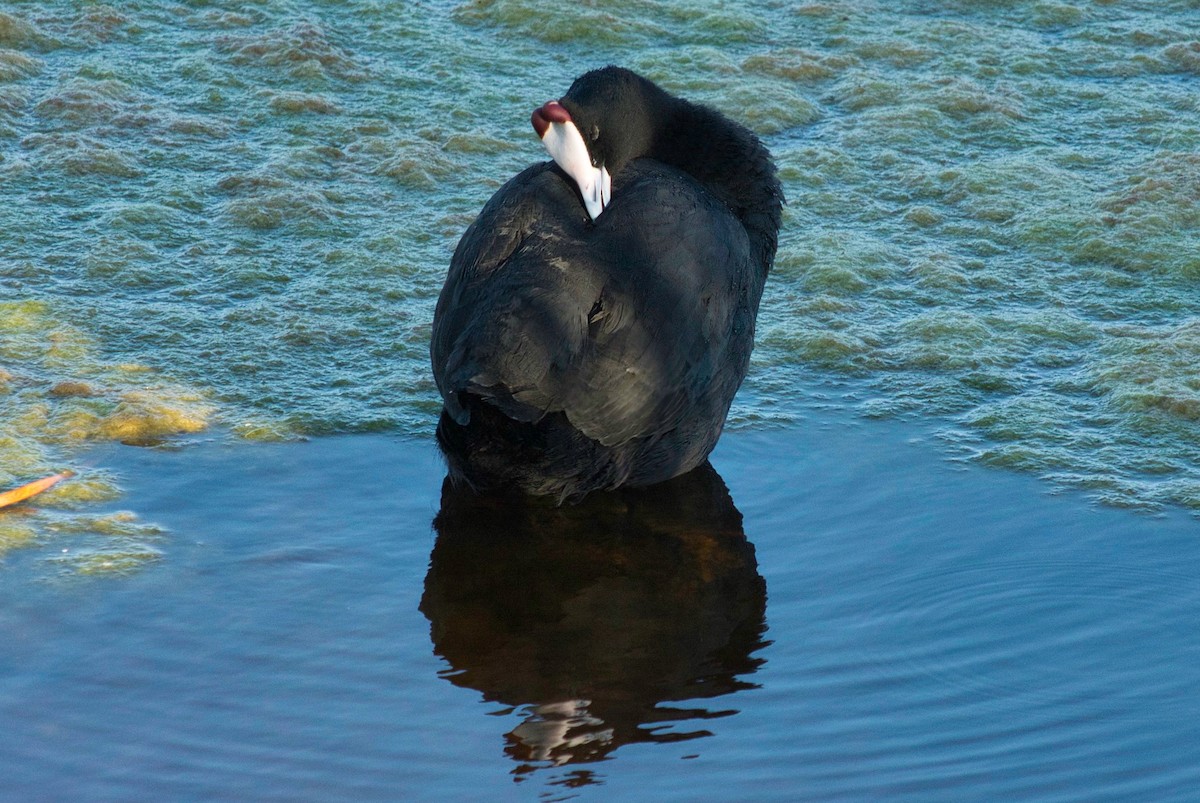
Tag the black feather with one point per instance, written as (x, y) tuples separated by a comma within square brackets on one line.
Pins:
[(575, 355)]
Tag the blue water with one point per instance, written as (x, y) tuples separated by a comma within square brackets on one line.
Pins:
[(239, 214), (929, 633), (967, 456)]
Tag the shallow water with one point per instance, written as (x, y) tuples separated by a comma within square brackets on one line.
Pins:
[(929, 633), (223, 226), (241, 213)]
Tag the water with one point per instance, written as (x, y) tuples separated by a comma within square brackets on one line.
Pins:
[(992, 221), (863, 621), (223, 226)]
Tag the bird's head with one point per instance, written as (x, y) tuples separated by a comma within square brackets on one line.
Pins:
[(607, 118)]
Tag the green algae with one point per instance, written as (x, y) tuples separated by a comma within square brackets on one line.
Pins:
[(992, 218), (57, 396), (105, 562)]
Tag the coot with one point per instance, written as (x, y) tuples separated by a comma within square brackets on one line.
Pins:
[(598, 315)]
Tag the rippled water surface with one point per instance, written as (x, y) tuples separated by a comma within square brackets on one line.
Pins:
[(223, 226), (242, 212), (861, 622)]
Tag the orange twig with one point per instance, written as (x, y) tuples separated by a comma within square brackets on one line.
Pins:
[(32, 488)]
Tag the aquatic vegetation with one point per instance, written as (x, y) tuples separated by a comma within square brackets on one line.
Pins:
[(991, 221), (57, 396)]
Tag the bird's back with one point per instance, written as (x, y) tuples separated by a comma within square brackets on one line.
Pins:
[(601, 353)]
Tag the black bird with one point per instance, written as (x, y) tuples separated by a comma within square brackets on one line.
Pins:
[(598, 315)]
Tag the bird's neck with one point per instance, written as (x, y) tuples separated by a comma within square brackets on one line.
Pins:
[(730, 161)]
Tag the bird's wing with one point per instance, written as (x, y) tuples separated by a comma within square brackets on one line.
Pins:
[(621, 325), (497, 327), (662, 331)]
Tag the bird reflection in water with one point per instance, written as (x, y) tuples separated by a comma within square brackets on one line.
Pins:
[(590, 619)]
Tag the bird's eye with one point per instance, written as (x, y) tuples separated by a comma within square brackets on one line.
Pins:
[(595, 134)]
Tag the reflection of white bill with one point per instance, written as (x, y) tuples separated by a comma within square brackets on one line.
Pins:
[(547, 732)]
